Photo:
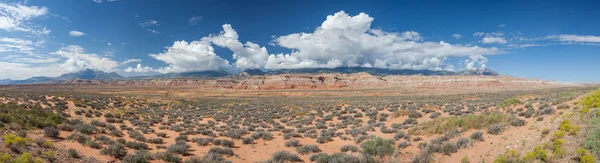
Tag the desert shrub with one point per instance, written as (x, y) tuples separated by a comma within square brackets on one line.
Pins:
[(292, 143), (25, 158), (136, 145), (547, 110), (462, 142), (423, 157), (435, 115), (262, 135), (161, 134), (210, 158), (223, 142), (414, 114), (592, 140), (179, 147), (319, 158), (351, 148), (181, 138), (477, 136), (155, 141), (247, 141), (140, 156), (511, 156), (449, 148), (114, 150), (73, 153), (28, 118), (285, 156), (403, 144), (416, 139), (43, 142), (562, 106), (472, 121), (66, 127), (305, 149), (558, 134), (85, 128), (401, 134), (378, 147), (517, 122), (51, 132), (495, 129), (202, 141), (221, 151), (236, 133), (509, 102), (538, 153), (50, 155), (167, 157), (585, 156)]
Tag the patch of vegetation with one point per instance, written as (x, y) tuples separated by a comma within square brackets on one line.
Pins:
[(509, 102), (472, 121), (28, 118), (378, 147)]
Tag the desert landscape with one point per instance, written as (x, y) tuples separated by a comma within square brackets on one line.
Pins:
[(293, 118), (299, 81)]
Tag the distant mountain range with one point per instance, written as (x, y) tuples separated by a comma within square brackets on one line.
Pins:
[(89, 74)]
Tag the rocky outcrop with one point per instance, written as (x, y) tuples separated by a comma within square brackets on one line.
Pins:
[(331, 81)]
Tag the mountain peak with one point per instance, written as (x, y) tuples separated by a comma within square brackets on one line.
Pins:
[(91, 74)]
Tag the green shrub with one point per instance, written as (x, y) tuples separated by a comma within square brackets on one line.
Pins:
[(73, 153), (306, 149), (378, 147), (115, 150), (538, 153), (285, 156), (509, 102), (16, 141), (351, 148), (471, 121), (5, 157), (585, 156), (140, 156), (28, 118), (167, 157)]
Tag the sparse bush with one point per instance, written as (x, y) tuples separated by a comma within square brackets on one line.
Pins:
[(247, 141), (285, 156), (114, 150), (378, 147), (292, 143), (221, 151), (140, 156), (351, 148), (495, 129), (51, 132), (305, 149), (167, 157), (73, 153), (180, 147), (477, 136)]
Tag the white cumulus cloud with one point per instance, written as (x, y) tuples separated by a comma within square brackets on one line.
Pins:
[(193, 56), (139, 69), (78, 60), (344, 40), (247, 55), (76, 33)]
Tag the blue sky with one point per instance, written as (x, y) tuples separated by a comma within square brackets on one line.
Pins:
[(551, 40)]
